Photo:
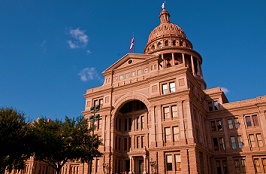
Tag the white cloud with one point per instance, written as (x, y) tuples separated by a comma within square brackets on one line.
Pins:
[(88, 51), (71, 44), (225, 90), (89, 73), (78, 38)]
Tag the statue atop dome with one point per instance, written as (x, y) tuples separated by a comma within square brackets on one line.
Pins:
[(163, 5)]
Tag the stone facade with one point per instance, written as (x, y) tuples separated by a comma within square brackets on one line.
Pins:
[(158, 117)]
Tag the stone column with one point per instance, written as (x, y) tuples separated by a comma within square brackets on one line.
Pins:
[(189, 130), (173, 60), (199, 69), (192, 157), (152, 132), (159, 137), (163, 62), (192, 65), (130, 165), (182, 136), (144, 164), (183, 59)]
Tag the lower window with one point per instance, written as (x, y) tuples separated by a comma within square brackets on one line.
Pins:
[(173, 161)]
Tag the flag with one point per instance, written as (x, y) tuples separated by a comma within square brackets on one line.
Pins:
[(131, 44)]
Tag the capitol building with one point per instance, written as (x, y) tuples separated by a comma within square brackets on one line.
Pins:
[(158, 117)]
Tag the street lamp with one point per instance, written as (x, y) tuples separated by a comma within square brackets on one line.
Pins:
[(93, 118)]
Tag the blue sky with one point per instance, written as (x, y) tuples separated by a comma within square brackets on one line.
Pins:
[(52, 51)]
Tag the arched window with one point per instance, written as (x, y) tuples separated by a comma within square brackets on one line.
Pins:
[(174, 43), (159, 45), (166, 43)]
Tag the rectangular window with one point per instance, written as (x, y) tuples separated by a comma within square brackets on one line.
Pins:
[(167, 134), (129, 123), (175, 133), (252, 140), (166, 112), (95, 103), (138, 123), (225, 167), (248, 121), (172, 87), (218, 167), (142, 122), (174, 111), (236, 123), (169, 162), (255, 120), (233, 142), (138, 142), (257, 165), (219, 125), (142, 142), (216, 105), (221, 143), (239, 140), (240, 165), (168, 88), (230, 123), (237, 166), (216, 125), (101, 102), (259, 139), (243, 165), (177, 162), (264, 164), (165, 88)]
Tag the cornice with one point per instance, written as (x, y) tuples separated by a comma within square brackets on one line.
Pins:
[(98, 91)]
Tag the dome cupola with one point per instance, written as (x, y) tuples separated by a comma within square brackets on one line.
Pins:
[(166, 35), (170, 43)]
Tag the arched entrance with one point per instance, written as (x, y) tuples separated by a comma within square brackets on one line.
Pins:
[(130, 138)]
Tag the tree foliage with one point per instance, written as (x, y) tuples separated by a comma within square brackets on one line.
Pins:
[(56, 142), (14, 139)]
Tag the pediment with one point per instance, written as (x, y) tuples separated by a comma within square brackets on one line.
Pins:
[(128, 61)]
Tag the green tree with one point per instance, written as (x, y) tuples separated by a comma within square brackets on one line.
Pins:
[(14, 139), (56, 142)]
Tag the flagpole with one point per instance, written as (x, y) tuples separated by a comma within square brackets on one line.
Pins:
[(134, 44)]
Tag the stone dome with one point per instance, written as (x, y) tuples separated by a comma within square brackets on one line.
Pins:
[(166, 28), (166, 35)]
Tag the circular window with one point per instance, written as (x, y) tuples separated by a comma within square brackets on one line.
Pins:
[(130, 61)]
